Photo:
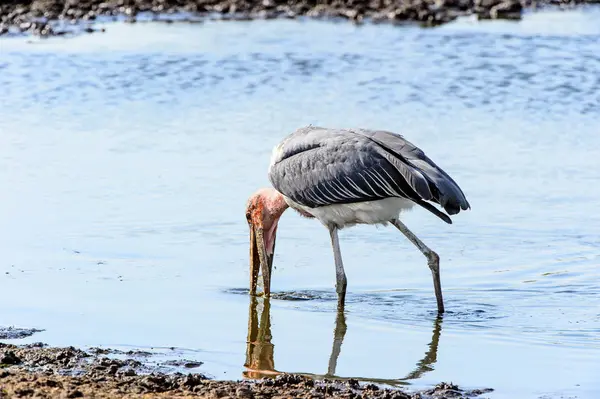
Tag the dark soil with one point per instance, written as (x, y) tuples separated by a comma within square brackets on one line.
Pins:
[(38, 371), (55, 17)]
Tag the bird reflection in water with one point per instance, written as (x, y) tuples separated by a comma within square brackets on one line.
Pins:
[(260, 351)]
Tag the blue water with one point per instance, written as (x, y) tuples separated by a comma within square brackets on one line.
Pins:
[(127, 157)]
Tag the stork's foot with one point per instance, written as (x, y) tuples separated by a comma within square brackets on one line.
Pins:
[(433, 261)]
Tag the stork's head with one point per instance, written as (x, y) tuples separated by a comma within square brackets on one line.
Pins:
[(263, 210)]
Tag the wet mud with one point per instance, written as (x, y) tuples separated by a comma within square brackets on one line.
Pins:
[(38, 371), (58, 17), (23, 384)]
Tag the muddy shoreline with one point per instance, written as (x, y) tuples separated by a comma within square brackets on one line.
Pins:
[(39, 371), (59, 17)]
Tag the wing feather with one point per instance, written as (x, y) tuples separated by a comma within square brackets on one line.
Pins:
[(317, 167), (442, 188)]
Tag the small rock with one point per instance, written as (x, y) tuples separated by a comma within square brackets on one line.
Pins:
[(127, 372), (24, 392), (36, 345), (10, 358), (486, 4), (243, 392), (25, 26), (507, 10), (188, 364), (53, 384), (353, 383), (75, 394), (90, 16), (100, 351), (193, 380), (217, 393)]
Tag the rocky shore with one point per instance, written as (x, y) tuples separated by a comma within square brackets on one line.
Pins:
[(56, 17), (38, 371)]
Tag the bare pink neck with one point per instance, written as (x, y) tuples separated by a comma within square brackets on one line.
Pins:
[(274, 206), (275, 203)]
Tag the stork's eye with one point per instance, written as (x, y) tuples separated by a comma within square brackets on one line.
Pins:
[(248, 216)]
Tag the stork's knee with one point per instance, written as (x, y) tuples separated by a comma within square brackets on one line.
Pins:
[(433, 260), (341, 283)]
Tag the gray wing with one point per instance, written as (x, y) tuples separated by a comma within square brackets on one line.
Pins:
[(317, 167), (442, 188)]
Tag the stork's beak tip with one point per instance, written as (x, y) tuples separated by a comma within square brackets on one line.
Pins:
[(254, 259)]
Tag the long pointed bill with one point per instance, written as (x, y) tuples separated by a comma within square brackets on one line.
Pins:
[(265, 262), (254, 261), (270, 257)]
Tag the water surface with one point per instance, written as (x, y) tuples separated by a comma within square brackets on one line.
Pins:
[(127, 157)]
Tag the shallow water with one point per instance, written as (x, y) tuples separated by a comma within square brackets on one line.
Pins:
[(127, 157)]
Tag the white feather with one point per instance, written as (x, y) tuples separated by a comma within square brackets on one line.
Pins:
[(347, 215)]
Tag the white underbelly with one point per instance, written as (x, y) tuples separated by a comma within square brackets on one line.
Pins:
[(347, 215)]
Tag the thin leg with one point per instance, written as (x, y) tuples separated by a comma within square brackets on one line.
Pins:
[(433, 260), (340, 276)]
